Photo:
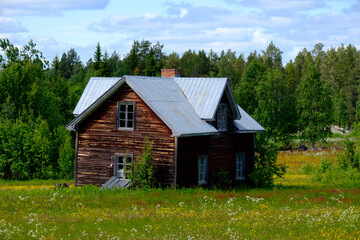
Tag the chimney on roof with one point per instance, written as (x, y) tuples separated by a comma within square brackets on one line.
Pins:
[(170, 73)]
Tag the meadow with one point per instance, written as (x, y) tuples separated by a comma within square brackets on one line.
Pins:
[(295, 208)]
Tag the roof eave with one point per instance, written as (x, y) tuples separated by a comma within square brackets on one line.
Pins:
[(248, 131), (195, 134)]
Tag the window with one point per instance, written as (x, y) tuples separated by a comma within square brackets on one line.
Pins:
[(222, 117), (123, 166), (126, 116), (240, 166), (202, 169)]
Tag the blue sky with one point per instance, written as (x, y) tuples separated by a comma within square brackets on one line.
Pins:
[(240, 25)]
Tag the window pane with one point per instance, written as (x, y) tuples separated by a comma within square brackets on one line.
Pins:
[(130, 116), (122, 107), (122, 123), (130, 108), (130, 124), (122, 115)]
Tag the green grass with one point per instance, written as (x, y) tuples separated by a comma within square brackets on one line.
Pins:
[(292, 210)]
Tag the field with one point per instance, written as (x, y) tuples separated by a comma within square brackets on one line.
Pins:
[(295, 209)]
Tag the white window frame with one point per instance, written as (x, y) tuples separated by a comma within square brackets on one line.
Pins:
[(202, 169), (222, 117), (123, 116), (240, 166), (123, 166)]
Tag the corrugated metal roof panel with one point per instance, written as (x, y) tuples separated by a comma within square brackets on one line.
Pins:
[(167, 100), (204, 94), (247, 123), (96, 87)]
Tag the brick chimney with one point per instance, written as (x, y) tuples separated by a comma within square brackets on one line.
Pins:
[(170, 73)]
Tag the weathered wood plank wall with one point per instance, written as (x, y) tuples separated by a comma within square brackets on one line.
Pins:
[(221, 151), (99, 140)]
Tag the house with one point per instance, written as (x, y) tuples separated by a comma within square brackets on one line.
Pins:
[(196, 127)]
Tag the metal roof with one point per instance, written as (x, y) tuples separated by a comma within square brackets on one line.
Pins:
[(247, 123), (204, 94), (167, 100), (183, 104), (96, 87), (164, 97)]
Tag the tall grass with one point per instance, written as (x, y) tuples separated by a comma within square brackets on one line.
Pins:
[(40, 211)]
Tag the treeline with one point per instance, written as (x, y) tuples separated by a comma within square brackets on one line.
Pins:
[(316, 89)]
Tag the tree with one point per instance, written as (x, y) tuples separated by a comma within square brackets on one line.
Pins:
[(187, 64), (276, 108), (272, 56), (245, 91), (314, 107), (69, 61), (173, 61), (143, 174), (97, 57), (105, 70), (131, 60), (150, 69), (226, 66)]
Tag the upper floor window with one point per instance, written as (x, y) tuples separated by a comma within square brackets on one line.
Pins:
[(222, 117), (126, 116)]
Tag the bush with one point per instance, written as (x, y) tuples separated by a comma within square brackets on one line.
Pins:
[(308, 168), (221, 179), (143, 172), (265, 164)]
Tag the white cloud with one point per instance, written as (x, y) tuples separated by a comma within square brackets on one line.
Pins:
[(47, 7), (281, 20), (10, 25), (183, 13), (281, 4)]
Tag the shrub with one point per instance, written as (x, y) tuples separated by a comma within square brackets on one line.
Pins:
[(143, 172), (265, 164), (308, 168), (221, 179)]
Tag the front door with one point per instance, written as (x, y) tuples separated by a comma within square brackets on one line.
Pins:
[(123, 166)]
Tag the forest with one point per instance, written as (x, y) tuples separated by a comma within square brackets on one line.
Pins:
[(300, 99)]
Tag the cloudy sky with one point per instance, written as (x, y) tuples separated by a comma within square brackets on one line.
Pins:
[(240, 25)]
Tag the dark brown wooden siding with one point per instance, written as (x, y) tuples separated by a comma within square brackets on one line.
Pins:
[(221, 150), (99, 141)]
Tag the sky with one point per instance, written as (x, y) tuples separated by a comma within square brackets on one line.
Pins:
[(243, 26)]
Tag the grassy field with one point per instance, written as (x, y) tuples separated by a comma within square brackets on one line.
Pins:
[(295, 209)]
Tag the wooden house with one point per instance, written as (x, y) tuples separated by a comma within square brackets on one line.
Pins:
[(195, 125)]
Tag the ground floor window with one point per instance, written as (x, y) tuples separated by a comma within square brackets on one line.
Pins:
[(240, 166), (202, 169), (123, 166)]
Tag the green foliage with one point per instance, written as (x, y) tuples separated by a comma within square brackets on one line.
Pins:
[(347, 171), (329, 175), (150, 69), (265, 164), (314, 107), (143, 175), (221, 179), (64, 142)]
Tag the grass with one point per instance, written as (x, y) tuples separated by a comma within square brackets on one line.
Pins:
[(294, 209)]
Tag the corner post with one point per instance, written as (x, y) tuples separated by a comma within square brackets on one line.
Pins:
[(175, 162), (76, 155)]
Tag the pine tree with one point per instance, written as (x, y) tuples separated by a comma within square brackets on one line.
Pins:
[(97, 57), (150, 69)]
